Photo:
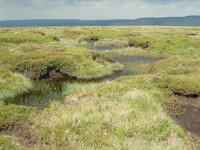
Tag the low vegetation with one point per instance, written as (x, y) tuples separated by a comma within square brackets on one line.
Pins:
[(90, 119), (94, 112), (26, 37), (179, 73), (12, 84)]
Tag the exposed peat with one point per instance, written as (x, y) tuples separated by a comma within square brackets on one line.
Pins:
[(188, 113)]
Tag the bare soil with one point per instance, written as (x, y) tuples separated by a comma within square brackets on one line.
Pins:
[(26, 135), (188, 113)]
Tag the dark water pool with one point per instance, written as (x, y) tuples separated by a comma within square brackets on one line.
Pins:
[(131, 60), (46, 91), (43, 93)]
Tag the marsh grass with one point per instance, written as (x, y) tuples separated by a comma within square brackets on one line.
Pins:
[(134, 52), (127, 113), (26, 37), (137, 68), (7, 143), (37, 60), (41, 95), (13, 84), (95, 120)]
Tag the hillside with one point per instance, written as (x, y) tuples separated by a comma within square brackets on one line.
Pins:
[(168, 21)]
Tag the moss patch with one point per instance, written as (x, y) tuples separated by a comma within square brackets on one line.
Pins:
[(13, 115), (25, 37), (12, 84), (177, 65), (38, 62), (95, 117), (6, 144), (179, 74)]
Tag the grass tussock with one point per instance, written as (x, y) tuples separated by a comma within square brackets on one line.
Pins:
[(93, 123), (12, 115), (26, 37), (6, 143), (179, 73), (12, 84), (37, 62), (137, 68), (127, 113)]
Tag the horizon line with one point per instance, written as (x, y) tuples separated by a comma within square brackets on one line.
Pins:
[(105, 19)]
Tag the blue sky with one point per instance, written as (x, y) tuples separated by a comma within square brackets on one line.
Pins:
[(96, 9)]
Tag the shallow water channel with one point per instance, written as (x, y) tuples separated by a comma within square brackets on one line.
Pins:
[(41, 95), (46, 91)]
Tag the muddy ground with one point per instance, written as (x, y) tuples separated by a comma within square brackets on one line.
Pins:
[(188, 113)]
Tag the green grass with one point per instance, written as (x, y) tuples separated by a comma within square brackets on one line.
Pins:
[(135, 118), (134, 52), (179, 73), (25, 37), (6, 144), (137, 68), (177, 65), (41, 95), (127, 113), (73, 62), (12, 115), (183, 84), (12, 84)]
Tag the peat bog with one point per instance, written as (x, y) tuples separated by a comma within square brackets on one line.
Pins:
[(188, 116), (100, 88)]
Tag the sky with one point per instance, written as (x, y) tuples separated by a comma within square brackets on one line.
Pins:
[(96, 9)]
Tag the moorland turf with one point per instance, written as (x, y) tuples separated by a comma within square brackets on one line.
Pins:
[(129, 112)]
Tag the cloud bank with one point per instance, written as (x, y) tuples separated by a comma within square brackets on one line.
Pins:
[(95, 9)]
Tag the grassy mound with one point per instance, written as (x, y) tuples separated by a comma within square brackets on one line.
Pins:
[(6, 143), (100, 33), (12, 115), (26, 37), (178, 65), (127, 113), (82, 65), (187, 85), (12, 84), (101, 118), (179, 74), (37, 61)]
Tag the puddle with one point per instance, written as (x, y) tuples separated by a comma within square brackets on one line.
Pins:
[(46, 91), (43, 93), (102, 48), (136, 59), (117, 75), (130, 61), (188, 115)]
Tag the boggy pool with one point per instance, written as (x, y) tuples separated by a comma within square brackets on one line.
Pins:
[(46, 91)]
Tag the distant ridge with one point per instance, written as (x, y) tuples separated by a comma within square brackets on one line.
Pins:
[(167, 21)]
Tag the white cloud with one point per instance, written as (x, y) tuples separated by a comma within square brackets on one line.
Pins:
[(100, 4), (191, 9), (95, 9), (145, 6), (2, 11)]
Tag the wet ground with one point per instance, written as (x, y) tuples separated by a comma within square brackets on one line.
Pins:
[(102, 48), (131, 59), (188, 114), (135, 59), (47, 91), (43, 93)]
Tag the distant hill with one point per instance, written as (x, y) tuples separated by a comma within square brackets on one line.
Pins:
[(168, 21)]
